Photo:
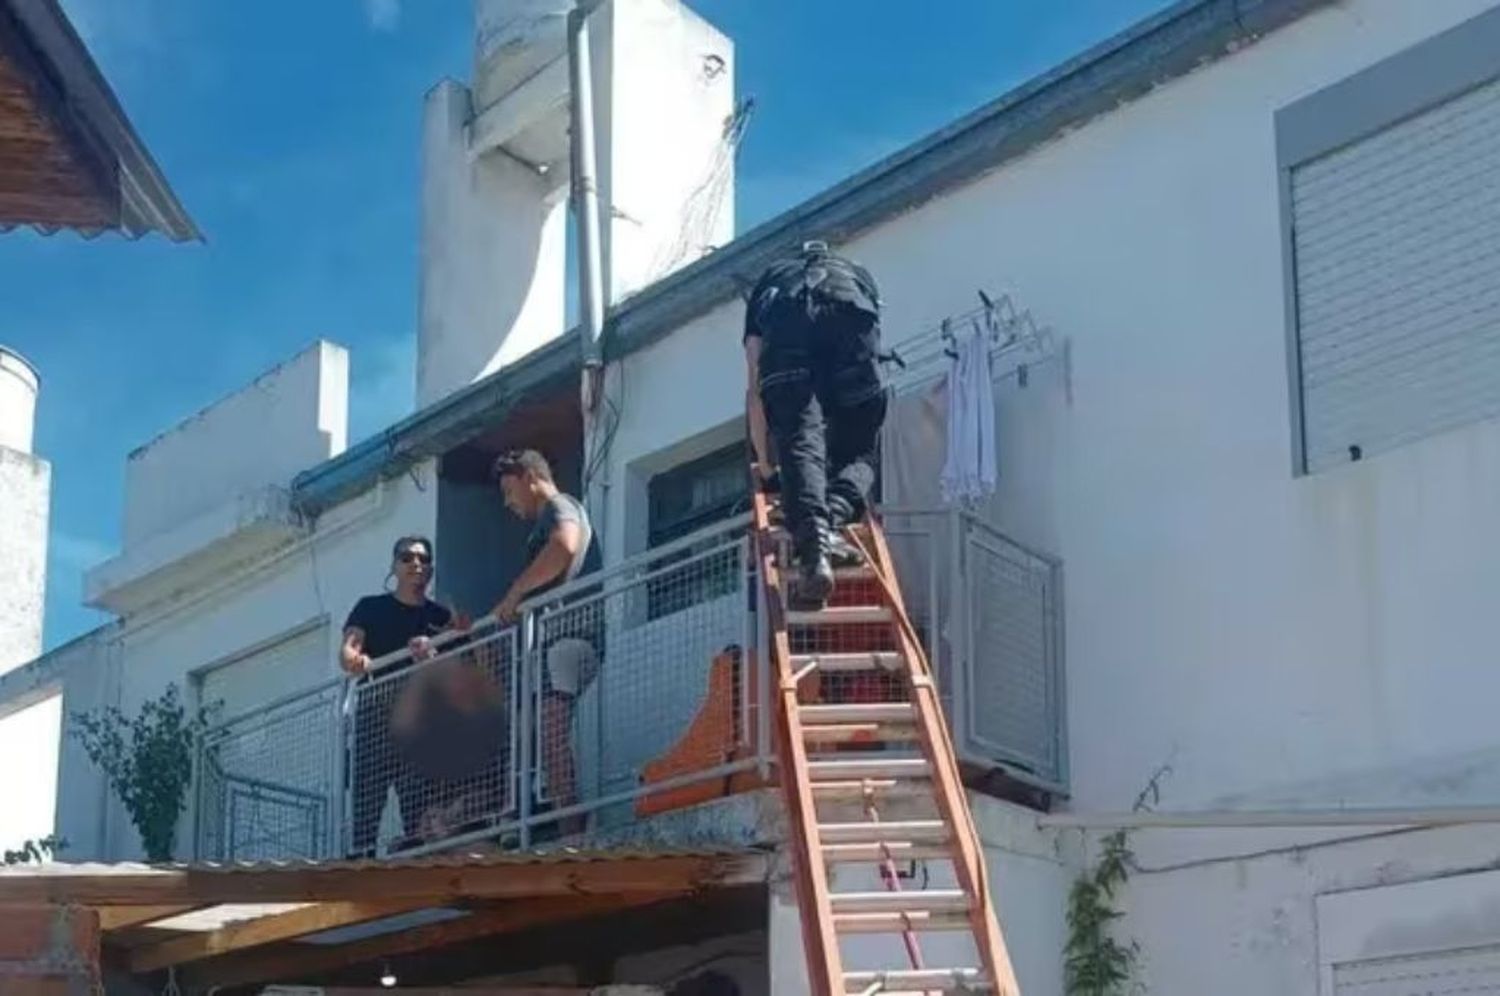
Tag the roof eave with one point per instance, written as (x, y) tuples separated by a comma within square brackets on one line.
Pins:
[(435, 429), (147, 202)]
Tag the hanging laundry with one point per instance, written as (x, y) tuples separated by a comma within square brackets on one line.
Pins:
[(969, 472)]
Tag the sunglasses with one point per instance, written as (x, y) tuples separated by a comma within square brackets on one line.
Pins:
[(412, 557)]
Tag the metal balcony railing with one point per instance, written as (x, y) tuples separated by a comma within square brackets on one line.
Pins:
[(627, 693), (990, 612), (268, 781)]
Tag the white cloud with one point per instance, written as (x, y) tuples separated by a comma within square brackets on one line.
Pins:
[(383, 15)]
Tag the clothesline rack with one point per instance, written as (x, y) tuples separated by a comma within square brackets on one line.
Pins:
[(1017, 342)]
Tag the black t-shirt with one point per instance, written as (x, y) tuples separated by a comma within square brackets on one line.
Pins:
[(389, 623)]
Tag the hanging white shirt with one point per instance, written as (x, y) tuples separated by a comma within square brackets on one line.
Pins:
[(969, 472)]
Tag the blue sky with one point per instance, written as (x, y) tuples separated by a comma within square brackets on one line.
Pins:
[(289, 129)]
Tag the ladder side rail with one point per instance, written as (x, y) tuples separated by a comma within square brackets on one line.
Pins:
[(824, 963), (948, 789)]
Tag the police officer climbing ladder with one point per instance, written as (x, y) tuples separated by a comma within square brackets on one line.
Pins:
[(812, 348)]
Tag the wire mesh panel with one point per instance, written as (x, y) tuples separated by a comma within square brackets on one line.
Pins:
[(268, 781), (637, 681), (921, 544), (431, 746), (1013, 692)]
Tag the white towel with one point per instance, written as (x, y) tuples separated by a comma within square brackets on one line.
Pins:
[(969, 472)]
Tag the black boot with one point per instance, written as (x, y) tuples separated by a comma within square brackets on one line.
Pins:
[(842, 553), (840, 512), (815, 573)]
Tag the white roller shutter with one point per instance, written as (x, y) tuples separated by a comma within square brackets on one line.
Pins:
[(1397, 269), (269, 673), (1472, 972)]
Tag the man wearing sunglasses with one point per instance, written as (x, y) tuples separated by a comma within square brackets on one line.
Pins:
[(401, 618)]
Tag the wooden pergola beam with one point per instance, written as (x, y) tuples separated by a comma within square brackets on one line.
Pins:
[(436, 885), (301, 962), (465, 991), (264, 930), (125, 917)]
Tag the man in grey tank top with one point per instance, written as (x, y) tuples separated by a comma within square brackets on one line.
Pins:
[(569, 637)]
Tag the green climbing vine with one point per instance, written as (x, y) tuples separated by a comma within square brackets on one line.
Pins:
[(36, 851), (1095, 961), (148, 761)]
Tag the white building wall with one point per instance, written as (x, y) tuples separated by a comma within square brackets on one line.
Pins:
[(25, 493), (1238, 912), (222, 452), (679, 399), (666, 174), (25, 496), (496, 166), (1279, 640), (492, 261), (1250, 627), (89, 674), (19, 384)]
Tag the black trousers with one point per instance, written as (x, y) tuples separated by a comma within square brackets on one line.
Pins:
[(377, 765), (828, 452)]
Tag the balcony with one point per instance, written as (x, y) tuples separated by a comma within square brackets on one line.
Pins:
[(481, 743)]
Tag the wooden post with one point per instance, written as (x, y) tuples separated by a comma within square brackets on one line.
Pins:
[(49, 950)]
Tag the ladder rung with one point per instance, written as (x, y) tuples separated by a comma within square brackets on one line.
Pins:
[(828, 733), (917, 980), (839, 615), (894, 850), (916, 831), (858, 712), (896, 923), (858, 788), (888, 767), (880, 660), (915, 901)]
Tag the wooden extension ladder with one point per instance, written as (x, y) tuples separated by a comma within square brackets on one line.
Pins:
[(852, 683)]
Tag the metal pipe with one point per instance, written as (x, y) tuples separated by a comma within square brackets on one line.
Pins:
[(586, 191), (1429, 816)]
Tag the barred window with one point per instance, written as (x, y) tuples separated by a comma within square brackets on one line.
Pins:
[(689, 497)]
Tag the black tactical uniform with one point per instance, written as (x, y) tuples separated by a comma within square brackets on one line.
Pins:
[(818, 316)]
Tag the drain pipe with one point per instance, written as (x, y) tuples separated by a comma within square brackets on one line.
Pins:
[(586, 202)]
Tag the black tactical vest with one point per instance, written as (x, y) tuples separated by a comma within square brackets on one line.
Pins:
[(819, 317)]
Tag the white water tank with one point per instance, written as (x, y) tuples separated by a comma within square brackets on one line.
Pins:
[(25, 492), (18, 387), (518, 24)]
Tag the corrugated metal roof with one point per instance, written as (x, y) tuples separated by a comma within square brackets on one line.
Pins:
[(449, 859)]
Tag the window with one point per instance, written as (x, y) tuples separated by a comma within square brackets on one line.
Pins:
[(697, 493), (1366, 945), (272, 670), (1391, 215), (680, 501)]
